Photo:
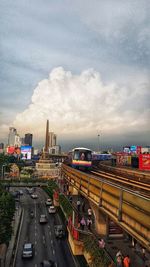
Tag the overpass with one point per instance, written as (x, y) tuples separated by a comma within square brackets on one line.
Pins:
[(130, 210)]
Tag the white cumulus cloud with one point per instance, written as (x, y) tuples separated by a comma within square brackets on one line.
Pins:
[(79, 105)]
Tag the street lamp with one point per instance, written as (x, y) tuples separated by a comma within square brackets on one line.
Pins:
[(98, 142)]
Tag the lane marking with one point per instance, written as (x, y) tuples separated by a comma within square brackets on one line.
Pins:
[(50, 233), (53, 251)]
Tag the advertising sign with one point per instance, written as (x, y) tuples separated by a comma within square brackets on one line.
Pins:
[(123, 159), (144, 161), (12, 150), (26, 152)]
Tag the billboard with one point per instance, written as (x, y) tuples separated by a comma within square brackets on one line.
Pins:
[(132, 149), (12, 150), (144, 161), (26, 152)]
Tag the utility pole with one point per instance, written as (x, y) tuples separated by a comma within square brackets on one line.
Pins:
[(98, 142)]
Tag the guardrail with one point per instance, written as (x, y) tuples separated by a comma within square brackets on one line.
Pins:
[(127, 208)]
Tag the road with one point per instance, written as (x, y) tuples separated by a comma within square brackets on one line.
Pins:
[(46, 246)]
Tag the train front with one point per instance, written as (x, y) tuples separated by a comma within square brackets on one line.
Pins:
[(82, 158)]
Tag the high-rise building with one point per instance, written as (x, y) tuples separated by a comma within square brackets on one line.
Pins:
[(1, 145), (52, 139), (11, 136), (17, 141), (28, 139)]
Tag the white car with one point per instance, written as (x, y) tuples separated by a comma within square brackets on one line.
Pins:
[(34, 196), (52, 209), (49, 202), (43, 219)]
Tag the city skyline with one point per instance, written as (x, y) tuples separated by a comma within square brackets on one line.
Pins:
[(84, 66)]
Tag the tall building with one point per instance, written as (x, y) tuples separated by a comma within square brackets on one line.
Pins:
[(1, 145), (11, 136), (52, 139), (28, 139), (17, 141), (47, 136)]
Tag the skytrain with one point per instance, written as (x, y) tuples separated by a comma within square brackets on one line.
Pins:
[(80, 158)]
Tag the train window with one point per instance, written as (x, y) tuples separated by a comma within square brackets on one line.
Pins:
[(89, 156), (76, 155)]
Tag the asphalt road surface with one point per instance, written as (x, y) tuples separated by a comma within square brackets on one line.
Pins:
[(46, 246)]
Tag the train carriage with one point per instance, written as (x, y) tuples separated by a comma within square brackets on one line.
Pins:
[(80, 158)]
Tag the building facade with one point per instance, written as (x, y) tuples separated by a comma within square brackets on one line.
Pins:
[(28, 139), (52, 139), (11, 136)]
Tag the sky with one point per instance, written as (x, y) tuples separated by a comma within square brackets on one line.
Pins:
[(84, 65)]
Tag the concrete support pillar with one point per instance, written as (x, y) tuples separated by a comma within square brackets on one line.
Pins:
[(101, 221)]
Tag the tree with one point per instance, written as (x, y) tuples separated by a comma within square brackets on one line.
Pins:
[(7, 208)]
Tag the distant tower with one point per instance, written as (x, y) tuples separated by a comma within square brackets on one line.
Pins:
[(52, 139), (28, 139), (11, 136), (47, 136)]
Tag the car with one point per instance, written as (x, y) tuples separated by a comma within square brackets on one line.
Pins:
[(34, 196), (48, 263), (27, 251), (49, 202), (43, 218), (31, 214), (52, 209), (21, 192), (59, 231)]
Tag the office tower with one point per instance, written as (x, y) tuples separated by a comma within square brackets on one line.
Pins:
[(11, 136), (52, 139), (17, 141), (47, 136), (1, 146), (28, 139)]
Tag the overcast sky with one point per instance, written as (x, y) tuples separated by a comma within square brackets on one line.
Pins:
[(83, 64)]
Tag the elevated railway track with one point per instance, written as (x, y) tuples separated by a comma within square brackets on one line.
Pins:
[(126, 207), (128, 181)]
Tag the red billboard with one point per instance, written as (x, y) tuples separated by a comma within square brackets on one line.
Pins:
[(144, 161), (13, 150)]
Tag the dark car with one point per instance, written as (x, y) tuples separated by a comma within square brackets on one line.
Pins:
[(48, 263), (27, 251), (59, 231), (31, 214)]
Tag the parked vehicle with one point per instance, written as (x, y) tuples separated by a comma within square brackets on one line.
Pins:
[(27, 251)]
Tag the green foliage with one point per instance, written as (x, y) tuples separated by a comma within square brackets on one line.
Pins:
[(67, 207), (7, 208), (99, 256)]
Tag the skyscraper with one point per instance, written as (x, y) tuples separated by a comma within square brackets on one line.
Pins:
[(47, 136), (11, 136), (52, 139), (28, 139)]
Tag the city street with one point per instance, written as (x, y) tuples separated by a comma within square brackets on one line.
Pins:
[(46, 246)]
